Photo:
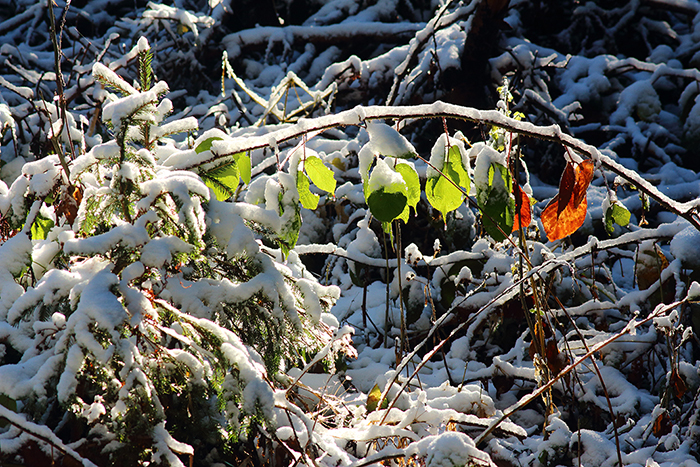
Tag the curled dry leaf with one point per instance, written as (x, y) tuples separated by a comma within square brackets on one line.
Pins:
[(560, 222), (69, 203)]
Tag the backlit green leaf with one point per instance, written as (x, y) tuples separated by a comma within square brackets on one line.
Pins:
[(617, 214), (308, 200), (412, 180), (244, 169), (457, 166), (223, 180), (319, 174), (442, 194), (41, 227)]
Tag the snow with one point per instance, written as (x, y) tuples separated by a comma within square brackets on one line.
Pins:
[(384, 177), (97, 297), (115, 113)]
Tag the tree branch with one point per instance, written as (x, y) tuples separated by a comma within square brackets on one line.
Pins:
[(439, 109)]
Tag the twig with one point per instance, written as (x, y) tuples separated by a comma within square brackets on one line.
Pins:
[(43, 434), (59, 85), (530, 397)]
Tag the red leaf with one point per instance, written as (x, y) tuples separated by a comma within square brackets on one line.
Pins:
[(566, 187), (559, 224), (525, 212)]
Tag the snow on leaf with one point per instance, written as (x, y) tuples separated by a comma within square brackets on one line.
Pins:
[(206, 144), (387, 141)]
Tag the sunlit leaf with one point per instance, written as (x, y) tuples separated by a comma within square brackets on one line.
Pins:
[(441, 191), (308, 200), (566, 187), (456, 165), (561, 224), (223, 180), (319, 174), (412, 180), (584, 176), (617, 214), (244, 168), (373, 399), (206, 144), (41, 227)]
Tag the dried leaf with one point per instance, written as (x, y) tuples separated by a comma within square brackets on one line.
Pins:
[(678, 385), (662, 425), (650, 263), (556, 361), (69, 203), (561, 224), (566, 187), (584, 176), (525, 208)]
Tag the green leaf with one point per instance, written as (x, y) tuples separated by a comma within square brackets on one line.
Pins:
[(501, 210), (321, 175), (386, 206), (618, 214), (456, 166), (206, 144), (496, 202), (443, 195), (244, 168), (223, 180), (308, 200), (41, 227), (11, 404), (405, 214), (410, 176)]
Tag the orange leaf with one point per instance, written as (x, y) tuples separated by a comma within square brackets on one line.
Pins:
[(662, 425), (566, 187), (584, 176), (525, 212), (558, 224)]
